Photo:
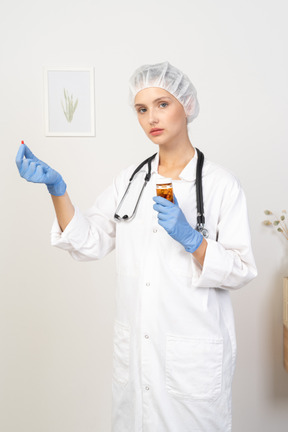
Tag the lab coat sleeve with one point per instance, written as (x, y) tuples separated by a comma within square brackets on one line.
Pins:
[(229, 261), (91, 235)]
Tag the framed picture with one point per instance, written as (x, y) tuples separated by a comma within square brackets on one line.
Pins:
[(69, 102)]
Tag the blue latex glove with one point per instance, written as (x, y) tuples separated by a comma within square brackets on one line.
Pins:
[(172, 219), (34, 170)]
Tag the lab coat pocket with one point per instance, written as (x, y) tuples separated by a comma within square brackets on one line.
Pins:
[(194, 367), (121, 353)]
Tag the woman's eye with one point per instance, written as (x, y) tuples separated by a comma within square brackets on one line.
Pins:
[(142, 110), (163, 104)]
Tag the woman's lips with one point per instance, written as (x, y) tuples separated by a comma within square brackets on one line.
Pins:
[(155, 132)]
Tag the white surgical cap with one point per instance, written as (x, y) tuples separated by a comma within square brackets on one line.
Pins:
[(169, 78)]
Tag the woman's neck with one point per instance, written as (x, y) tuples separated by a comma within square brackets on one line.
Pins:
[(173, 160)]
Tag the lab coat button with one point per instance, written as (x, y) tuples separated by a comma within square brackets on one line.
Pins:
[(146, 336), (147, 388), (155, 230), (147, 283)]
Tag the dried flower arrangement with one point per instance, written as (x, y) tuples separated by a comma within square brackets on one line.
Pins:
[(280, 223)]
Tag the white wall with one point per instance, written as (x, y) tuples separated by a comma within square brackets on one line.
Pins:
[(56, 314)]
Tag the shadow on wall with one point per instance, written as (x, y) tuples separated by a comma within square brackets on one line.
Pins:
[(279, 376)]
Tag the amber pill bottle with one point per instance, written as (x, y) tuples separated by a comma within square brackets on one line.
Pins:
[(164, 188)]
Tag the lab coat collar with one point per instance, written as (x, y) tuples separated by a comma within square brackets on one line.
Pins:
[(188, 173)]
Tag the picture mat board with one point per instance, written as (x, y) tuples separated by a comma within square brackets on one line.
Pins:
[(80, 84)]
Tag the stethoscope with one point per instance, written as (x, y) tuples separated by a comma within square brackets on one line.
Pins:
[(200, 226)]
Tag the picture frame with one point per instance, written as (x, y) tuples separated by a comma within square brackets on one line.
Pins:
[(69, 102)]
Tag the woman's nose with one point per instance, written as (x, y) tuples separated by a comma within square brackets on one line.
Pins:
[(153, 118)]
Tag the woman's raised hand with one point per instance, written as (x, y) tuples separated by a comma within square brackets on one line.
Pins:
[(34, 170)]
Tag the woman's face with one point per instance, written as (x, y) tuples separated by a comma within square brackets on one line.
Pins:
[(161, 115)]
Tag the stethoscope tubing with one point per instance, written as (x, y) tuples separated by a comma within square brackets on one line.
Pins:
[(200, 226)]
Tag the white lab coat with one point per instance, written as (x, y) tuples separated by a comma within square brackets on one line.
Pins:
[(174, 340)]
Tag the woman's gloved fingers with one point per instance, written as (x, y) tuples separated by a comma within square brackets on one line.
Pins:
[(30, 167), (20, 156), (175, 200), (162, 223), (39, 175), (161, 209), (25, 168), (158, 207), (51, 176), (28, 153), (30, 170), (163, 216), (24, 157), (163, 202)]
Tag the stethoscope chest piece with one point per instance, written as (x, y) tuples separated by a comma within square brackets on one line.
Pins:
[(203, 231)]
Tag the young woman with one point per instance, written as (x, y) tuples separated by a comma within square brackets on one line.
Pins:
[(174, 342)]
